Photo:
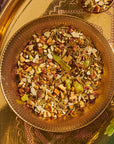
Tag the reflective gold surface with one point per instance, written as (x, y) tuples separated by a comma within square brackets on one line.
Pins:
[(7, 16)]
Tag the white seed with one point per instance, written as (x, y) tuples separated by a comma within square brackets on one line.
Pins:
[(90, 91), (30, 47), (45, 51), (66, 100), (21, 53), (18, 63), (38, 70), (58, 76), (44, 114), (34, 36), (46, 97), (35, 60), (88, 1), (79, 98), (37, 56), (75, 34), (33, 91), (42, 65), (22, 59), (50, 56), (27, 60), (64, 112), (88, 72), (101, 3), (47, 65), (37, 40), (20, 84), (47, 34), (31, 72), (70, 104), (24, 80), (27, 56), (97, 0), (52, 47), (39, 44), (82, 104), (62, 87), (29, 80), (48, 114), (92, 97), (55, 65), (49, 51), (33, 84)]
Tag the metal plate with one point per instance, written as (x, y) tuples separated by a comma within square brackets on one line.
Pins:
[(8, 68)]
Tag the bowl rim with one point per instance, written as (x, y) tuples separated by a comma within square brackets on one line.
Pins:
[(1, 63)]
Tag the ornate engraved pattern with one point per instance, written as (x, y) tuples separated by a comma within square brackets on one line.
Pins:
[(111, 40), (57, 6), (81, 136)]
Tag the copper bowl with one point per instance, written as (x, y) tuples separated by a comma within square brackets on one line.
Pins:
[(8, 67), (94, 12)]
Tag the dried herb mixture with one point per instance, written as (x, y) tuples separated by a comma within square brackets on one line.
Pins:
[(59, 72), (96, 5)]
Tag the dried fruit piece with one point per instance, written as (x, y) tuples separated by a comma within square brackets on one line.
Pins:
[(24, 98), (86, 63), (68, 83), (64, 65), (78, 87)]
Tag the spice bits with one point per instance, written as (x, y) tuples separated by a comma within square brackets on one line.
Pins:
[(59, 72), (96, 6)]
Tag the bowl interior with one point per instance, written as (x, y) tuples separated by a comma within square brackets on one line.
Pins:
[(8, 69)]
